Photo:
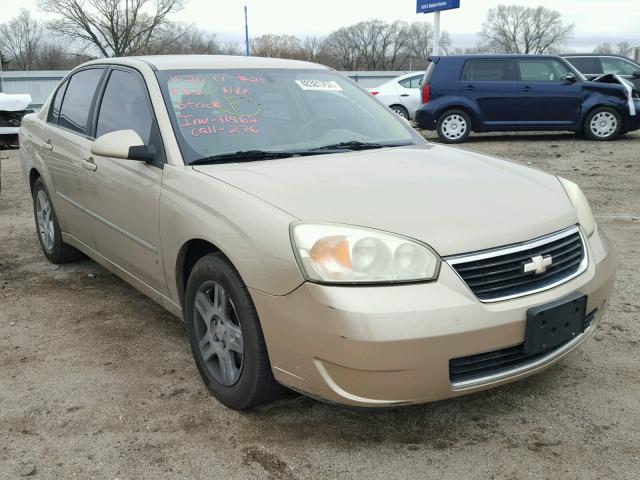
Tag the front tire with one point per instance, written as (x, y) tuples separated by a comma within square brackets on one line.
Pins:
[(603, 123), (454, 126), (49, 233), (400, 110), (225, 336)]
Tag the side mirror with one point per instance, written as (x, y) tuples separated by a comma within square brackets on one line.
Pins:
[(636, 74), (571, 78), (122, 144)]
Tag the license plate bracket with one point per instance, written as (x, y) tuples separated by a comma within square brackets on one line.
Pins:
[(554, 323)]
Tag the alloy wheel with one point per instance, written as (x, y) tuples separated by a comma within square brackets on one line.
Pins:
[(218, 333), (44, 216)]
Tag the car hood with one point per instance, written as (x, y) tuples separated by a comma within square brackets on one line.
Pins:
[(452, 199)]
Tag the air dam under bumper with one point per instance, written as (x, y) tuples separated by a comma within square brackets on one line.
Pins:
[(391, 345)]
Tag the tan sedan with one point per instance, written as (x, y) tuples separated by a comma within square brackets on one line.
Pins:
[(307, 236)]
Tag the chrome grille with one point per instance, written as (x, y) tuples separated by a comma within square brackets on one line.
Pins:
[(500, 274)]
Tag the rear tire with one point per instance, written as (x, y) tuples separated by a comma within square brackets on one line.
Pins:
[(454, 126), (400, 110), (48, 228), (602, 124), (225, 336)]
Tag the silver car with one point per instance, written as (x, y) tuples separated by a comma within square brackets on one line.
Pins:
[(307, 236)]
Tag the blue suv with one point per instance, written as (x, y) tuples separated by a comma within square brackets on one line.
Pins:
[(484, 93)]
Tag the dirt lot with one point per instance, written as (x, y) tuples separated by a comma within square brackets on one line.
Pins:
[(96, 381)]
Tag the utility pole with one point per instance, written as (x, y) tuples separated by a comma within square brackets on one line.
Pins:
[(246, 32), (436, 33)]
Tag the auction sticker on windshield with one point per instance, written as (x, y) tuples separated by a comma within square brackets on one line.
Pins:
[(325, 85)]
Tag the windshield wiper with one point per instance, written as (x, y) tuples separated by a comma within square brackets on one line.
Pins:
[(356, 145), (241, 156)]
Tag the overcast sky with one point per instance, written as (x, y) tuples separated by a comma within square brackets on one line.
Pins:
[(595, 21)]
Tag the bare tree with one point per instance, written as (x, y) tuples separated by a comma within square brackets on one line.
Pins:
[(312, 48), (603, 48), (625, 49), (518, 29), (621, 48), (20, 39), (370, 45), (420, 41), (342, 49), (113, 27), (278, 46)]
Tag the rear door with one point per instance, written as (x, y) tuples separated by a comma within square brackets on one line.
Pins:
[(123, 196), (491, 84), (64, 145), (547, 98), (410, 94)]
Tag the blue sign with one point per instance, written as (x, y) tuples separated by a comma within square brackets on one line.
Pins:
[(429, 6)]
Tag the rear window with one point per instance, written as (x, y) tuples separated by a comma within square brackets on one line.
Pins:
[(411, 82), (54, 113), (74, 113), (588, 65), (488, 70)]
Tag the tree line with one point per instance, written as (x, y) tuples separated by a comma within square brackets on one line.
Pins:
[(80, 30)]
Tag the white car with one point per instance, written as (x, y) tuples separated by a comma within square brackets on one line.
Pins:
[(402, 94)]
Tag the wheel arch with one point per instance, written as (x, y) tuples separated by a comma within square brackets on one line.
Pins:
[(402, 107), (34, 174), (623, 116), (190, 252), (465, 108)]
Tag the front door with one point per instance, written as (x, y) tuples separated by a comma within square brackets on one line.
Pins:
[(547, 98), (123, 196), (491, 85)]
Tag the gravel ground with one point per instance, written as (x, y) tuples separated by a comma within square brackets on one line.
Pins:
[(96, 381)]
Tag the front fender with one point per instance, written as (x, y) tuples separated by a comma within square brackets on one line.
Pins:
[(253, 234)]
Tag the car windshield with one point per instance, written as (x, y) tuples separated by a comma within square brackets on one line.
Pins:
[(220, 112)]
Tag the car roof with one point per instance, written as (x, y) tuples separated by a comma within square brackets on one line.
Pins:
[(566, 55), (496, 55), (187, 62)]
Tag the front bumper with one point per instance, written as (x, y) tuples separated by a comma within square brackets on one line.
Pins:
[(391, 345)]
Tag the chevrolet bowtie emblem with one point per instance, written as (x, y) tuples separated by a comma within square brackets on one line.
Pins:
[(538, 264)]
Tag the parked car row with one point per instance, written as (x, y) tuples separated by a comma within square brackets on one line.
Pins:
[(458, 95)]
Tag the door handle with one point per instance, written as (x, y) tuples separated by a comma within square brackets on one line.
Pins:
[(526, 88), (47, 146), (404, 94), (89, 164), (469, 88)]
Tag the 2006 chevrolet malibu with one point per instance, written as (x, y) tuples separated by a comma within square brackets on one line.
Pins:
[(307, 236)]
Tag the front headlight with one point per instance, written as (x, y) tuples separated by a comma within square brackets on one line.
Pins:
[(334, 253), (581, 204)]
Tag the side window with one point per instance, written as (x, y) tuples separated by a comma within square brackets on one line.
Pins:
[(54, 111), (74, 113), (125, 106), (587, 65), (618, 66), (488, 70), (542, 70), (411, 82)]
